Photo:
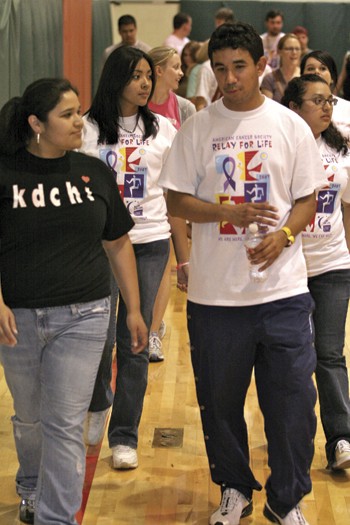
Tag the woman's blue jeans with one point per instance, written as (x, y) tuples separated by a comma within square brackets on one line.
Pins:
[(102, 397), (132, 369), (51, 374), (331, 292)]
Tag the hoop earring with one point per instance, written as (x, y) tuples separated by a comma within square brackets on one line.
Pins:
[(38, 138)]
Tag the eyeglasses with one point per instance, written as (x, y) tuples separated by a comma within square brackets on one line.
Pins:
[(291, 49), (321, 101)]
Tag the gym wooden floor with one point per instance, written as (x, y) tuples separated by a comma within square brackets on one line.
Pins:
[(172, 485)]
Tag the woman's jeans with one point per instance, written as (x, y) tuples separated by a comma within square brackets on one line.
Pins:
[(331, 292), (51, 374), (132, 369), (102, 397)]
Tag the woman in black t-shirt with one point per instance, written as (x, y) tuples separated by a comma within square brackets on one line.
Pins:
[(61, 225)]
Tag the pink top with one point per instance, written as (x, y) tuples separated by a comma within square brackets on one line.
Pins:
[(169, 109)]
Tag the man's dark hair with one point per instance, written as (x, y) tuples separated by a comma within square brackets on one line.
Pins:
[(180, 19), (273, 13), (126, 20), (236, 36)]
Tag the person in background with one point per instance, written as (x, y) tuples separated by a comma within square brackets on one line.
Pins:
[(206, 86), (274, 24), (177, 110), (190, 68), (343, 84), (322, 63), (120, 129), (164, 101), (224, 15), (326, 244), (62, 225), (127, 29), (182, 24), (244, 159), (303, 37), (274, 83)]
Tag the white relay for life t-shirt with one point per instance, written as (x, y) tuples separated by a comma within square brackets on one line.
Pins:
[(223, 156), (324, 243), (137, 164)]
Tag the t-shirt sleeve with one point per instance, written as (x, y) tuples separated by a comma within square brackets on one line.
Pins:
[(179, 170), (309, 173), (346, 194)]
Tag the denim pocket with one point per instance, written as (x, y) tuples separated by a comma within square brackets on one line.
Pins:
[(99, 306)]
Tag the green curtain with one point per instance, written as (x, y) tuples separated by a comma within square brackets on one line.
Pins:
[(102, 37), (30, 43), (9, 49)]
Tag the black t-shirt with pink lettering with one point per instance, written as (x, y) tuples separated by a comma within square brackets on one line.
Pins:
[(54, 214)]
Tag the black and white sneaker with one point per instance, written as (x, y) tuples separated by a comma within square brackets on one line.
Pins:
[(26, 510), (233, 507), (341, 455), (294, 517)]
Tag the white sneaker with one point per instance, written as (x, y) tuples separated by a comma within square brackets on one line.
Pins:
[(162, 330), (294, 517), (94, 427), (341, 455), (155, 349), (233, 507), (124, 457)]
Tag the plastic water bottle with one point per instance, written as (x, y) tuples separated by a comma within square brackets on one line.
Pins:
[(253, 238)]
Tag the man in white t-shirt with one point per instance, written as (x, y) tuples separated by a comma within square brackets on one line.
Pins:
[(182, 24), (270, 39), (245, 141), (128, 33)]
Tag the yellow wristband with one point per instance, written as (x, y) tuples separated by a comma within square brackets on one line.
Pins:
[(290, 237)]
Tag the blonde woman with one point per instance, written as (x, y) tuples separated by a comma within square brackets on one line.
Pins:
[(164, 101), (289, 51), (176, 109)]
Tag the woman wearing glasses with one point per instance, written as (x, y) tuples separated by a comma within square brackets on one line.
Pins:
[(321, 63), (326, 243), (274, 83)]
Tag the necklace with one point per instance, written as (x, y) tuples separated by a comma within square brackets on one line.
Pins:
[(128, 130)]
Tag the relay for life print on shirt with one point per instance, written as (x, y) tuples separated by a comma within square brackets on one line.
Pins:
[(245, 174)]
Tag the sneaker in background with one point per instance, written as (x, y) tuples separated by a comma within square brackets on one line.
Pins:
[(26, 510), (162, 330), (155, 348), (124, 457), (341, 455)]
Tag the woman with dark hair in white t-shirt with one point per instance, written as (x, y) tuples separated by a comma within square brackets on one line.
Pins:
[(321, 63), (326, 243), (133, 142)]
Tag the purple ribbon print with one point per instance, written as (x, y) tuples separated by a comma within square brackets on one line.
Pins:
[(111, 160), (229, 166)]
